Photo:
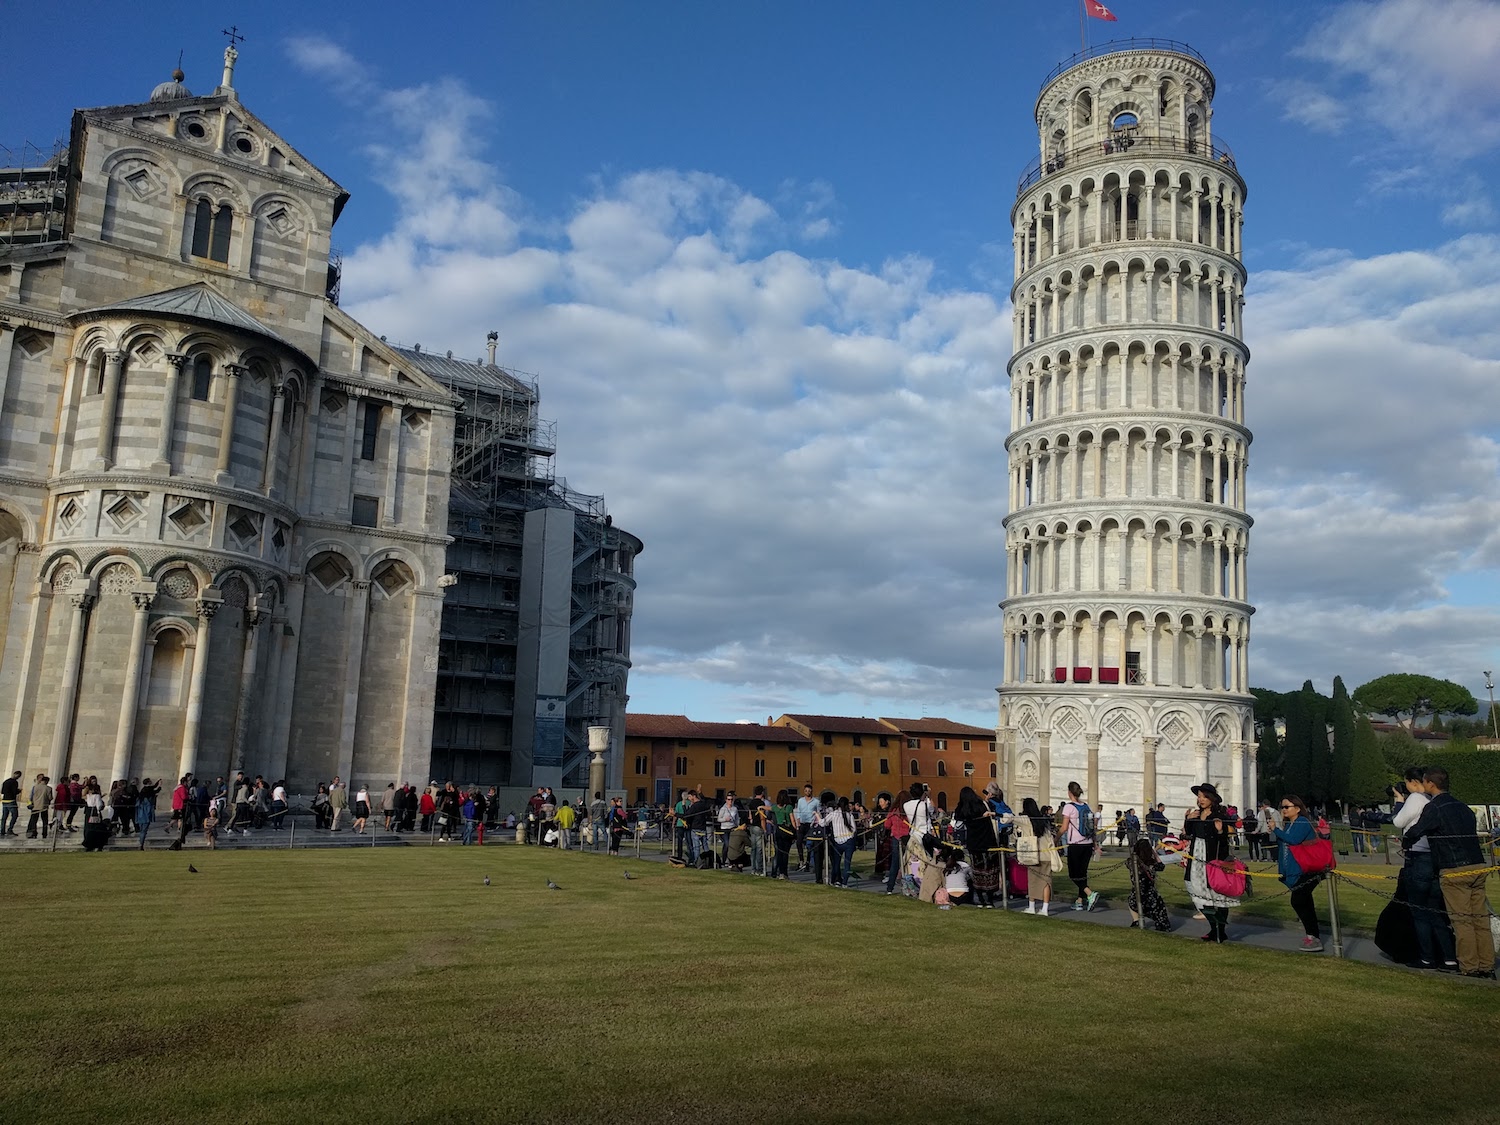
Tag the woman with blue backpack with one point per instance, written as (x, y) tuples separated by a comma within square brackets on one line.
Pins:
[(1079, 834)]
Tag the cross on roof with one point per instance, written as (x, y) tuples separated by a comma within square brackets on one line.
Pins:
[(233, 32)]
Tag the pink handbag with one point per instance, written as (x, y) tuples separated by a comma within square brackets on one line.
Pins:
[(1225, 877)]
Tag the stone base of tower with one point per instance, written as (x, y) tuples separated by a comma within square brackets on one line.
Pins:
[(1127, 749)]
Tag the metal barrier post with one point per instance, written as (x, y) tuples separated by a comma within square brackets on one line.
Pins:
[(291, 841), (1004, 880), (1387, 840), (1333, 915)]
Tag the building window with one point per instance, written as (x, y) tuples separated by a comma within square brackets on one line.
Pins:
[(828, 740), (858, 740), (885, 765), (992, 747), (940, 744), (993, 772), (365, 512), (914, 744), (859, 766), (884, 741), (791, 767), (681, 765), (718, 746), (916, 770), (966, 746), (760, 767), (682, 743), (719, 768), (942, 769), (760, 745), (641, 764), (372, 431), (827, 764), (203, 377), (211, 231)]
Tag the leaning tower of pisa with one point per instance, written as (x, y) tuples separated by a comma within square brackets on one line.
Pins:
[(1126, 611)]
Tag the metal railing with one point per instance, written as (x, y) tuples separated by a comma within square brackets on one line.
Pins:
[(1123, 143), (1120, 47)]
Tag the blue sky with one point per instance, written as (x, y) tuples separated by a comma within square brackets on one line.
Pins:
[(758, 255)]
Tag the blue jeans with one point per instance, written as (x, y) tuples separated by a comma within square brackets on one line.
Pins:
[(468, 835), (697, 844), (1429, 916), (898, 853), (841, 860), (1359, 842), (757, 851), (9, 814)]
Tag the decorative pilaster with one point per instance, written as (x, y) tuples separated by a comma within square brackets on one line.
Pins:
[(1200, 759), (81, 598), (1149, 743), (169, 394), (233, 373), (1043, 767), (192, 726), (358, 614), (1091, 742), (130, 698), (104, 453), (273, 440), (254, 616), (31, 663)]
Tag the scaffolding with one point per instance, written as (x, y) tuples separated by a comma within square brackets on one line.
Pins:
[(33, 195), (503, 468)]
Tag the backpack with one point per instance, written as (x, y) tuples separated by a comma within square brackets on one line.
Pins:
[(1086, 823)]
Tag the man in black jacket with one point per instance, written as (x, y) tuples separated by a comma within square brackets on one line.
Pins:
[(697, 816), (1450, 827)]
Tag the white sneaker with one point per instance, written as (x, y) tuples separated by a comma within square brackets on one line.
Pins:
[(1046, 906), (1030, 908)]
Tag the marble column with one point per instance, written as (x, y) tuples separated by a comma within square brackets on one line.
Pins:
[(273, 440), (1091, 741), (130, 698), (193, 724), (104, 452), (1200, 759), (31, 663), (1237, 775), (169, 394), (1149, 743), (1044, 767), (359, 602), (7, 342), (254, 617), (234, 373), (81, 598)]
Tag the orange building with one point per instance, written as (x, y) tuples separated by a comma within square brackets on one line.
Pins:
[(854, 757), (946, 755), (668, 753)]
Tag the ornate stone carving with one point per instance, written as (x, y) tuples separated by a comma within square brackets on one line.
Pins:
[(207, 609), (117, 578), (179, 584)]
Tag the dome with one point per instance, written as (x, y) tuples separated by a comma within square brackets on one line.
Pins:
[(171, 91)]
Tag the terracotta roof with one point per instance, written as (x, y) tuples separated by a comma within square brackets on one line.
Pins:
[(942, 727), (840, 724), (680, 726)]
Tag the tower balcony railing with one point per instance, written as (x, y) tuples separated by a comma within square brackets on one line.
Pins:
[(1118, 144), (1120, 47)]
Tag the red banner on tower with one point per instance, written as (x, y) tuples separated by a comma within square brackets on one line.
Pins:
[(1098, 11)]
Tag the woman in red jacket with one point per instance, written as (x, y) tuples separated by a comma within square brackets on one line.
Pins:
[(427, 806)]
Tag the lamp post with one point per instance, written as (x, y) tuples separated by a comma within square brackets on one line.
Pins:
[(1489, 683), (598, 746)]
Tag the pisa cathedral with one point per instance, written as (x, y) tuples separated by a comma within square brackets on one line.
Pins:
[(226, 506), (1126, 609)]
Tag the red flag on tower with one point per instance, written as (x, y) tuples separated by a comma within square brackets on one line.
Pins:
[(1098, 11)]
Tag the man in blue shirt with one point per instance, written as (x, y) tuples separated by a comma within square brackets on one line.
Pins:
[(807, 808)]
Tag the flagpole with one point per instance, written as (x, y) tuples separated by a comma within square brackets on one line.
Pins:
[(1083, 37)]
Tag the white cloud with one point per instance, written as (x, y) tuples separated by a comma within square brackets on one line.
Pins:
[(813, 455)]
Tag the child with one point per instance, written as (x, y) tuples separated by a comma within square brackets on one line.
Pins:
[(211, 823), (1145, 899)]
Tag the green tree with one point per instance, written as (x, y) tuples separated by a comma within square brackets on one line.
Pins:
[(1405, 697), (1343, 740), (1319, 761), (1268, 763), (1296, 766), (1436, 726), (1368, 772)]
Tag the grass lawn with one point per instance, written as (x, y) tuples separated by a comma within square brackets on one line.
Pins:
[(391, 985)]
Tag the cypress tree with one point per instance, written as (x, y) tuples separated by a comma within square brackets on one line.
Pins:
[(1319, 760), (1296, 767), (1343, 740), (1368, 773), (1269, 767)]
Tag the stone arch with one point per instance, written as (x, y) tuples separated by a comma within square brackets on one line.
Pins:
[(331, 569)]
